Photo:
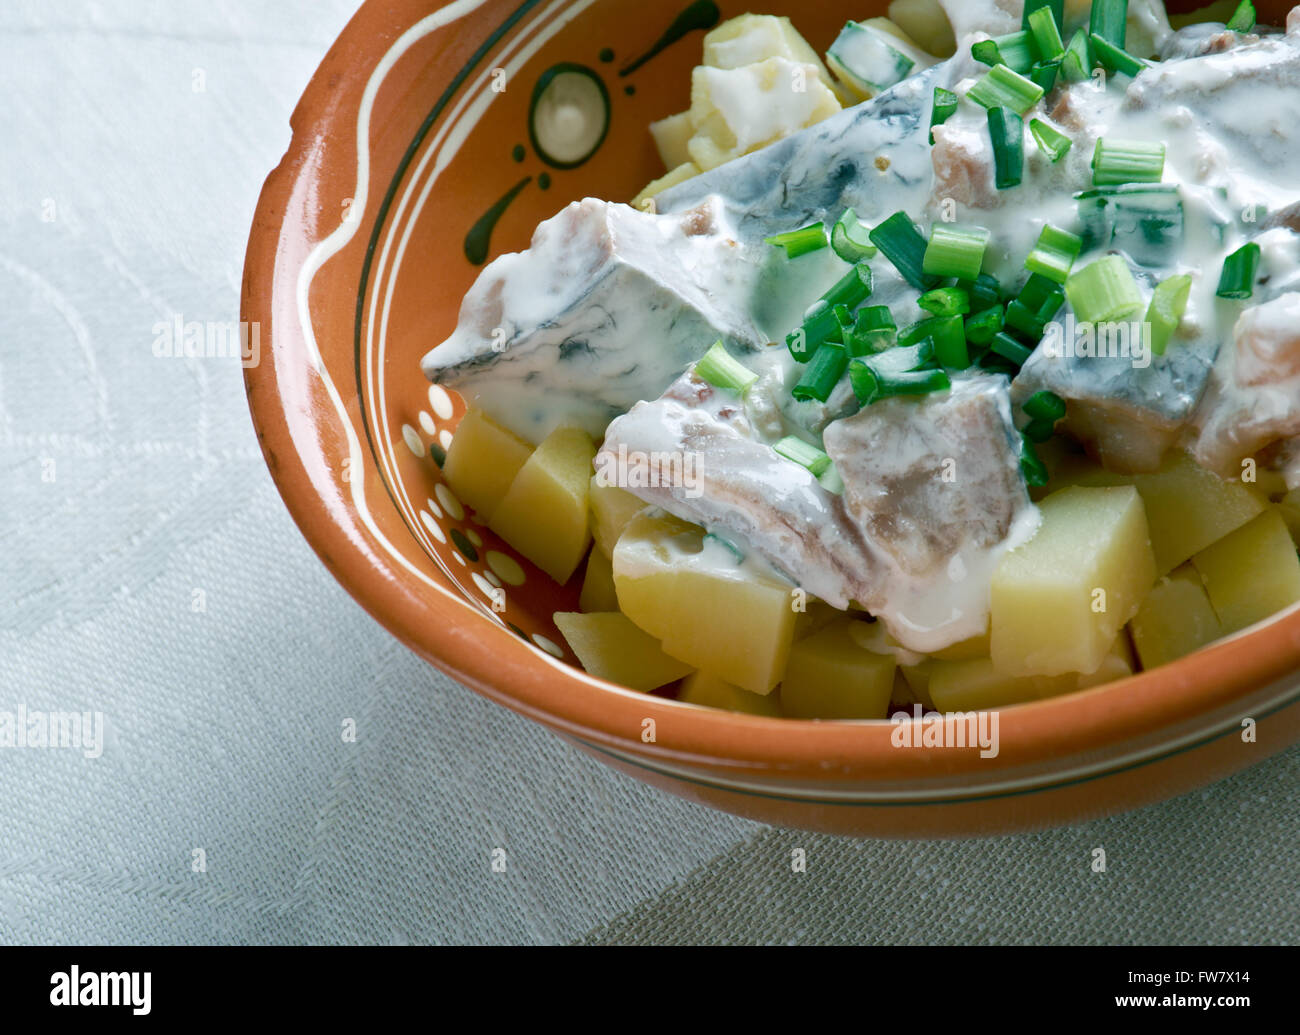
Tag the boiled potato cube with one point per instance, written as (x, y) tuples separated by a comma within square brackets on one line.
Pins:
[(918, 681), (967, 650), (1060, 600), (1175, 619), (611, 647), (611, 510), (926, 22), (971, 686), (1289, 508), (671, 136), (544, 515), (752, 38), (814, 618), (686, 171), (1188, 508), (830, 677), (711, 692), (598, 592), (708, 610), (482, 460), (1252, 573)]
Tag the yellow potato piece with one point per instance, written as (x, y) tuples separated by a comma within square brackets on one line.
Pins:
[(1251, 574), (611, 647), (967, 650), (598, 593), (1175, 619), (830, 677), (963, 686), (681, 174), (671, 136), (611, 510), (751, 38), (707, 609), (917, 678), (925, 22), (711, 692), (544, 515), (1060, 600), (482, 460)]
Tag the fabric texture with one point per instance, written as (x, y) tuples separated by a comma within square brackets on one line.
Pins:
[(151, 573)]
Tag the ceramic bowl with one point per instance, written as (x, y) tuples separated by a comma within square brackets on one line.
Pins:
[(410, 163)]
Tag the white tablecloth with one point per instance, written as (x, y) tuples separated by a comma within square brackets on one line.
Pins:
[(149, 572)]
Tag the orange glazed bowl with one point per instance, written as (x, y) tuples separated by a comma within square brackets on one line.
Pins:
[(410, 163)]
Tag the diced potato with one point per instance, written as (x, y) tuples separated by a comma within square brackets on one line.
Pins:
[(830, 677), (918, 680), (671, 137), (1289, 507), (971, 686), (1120, 663), (598, 593), (1188, 508), (544, 515), (1251, 574), (815, 618), (611, 510), (682, 173), (1060, 600), (926, 22), (1175, 619), (712, 692), (967, 650), (611, 647), (707, 609), (751, 38), (482, 461)]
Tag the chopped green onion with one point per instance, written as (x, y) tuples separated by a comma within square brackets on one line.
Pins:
[(1127, 161), (1054, 254), (986, 53), (902, 244), (1239, 271), (722, 370), (809, 457), (945, 106), (1031, 465), (831, 481), (1031, 320), (1168, 305), (1103, 291), (1076, 65), (852, 289), (1057, 7), (1050, 141), (949, 340), (822, 374), (1008, 348), (1037, 290), (1017, 50), (1109, 20), (1243, 18), (849, 238), (800, 242), (1047, 33), (1039, 431), (874, 331), (820, 325), (843, 316), (871, 385), (945, 301), (1007, 130), (1044, 74), (914, 335), (1046, 406), (981, 328), (985, 291), (956, 251), (1116, 59), (1001, 87)]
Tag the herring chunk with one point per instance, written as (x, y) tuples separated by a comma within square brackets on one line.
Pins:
[(606, 308)]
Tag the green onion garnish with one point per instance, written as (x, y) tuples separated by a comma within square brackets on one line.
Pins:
[(822, 374), (916, 354), (1127, 161), (1239, 272), (1045, 406), (1031, 320), (1054, 254), (1044, 74), (986, 53), (1000, 87), (902, 244), (1103, 291), (1076, 65), (1008, 348), (949, 340), (1017, 50), (946, 301), (1114, 58), (1109, 20), (722, 370), (874, 331), (820, 325), (956, 251), (831, 481), (1243, 18), (849, 238), (1057, 7), (852, 289), (1039, 431), (945, 106), (981, 328), (1031, 465), (871, 385), (800, 242), (809, 457), (1047, 33), (1050, 141), (985, 291), (1168, 305), (1007, 130)]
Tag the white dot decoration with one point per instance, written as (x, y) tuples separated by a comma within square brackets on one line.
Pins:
[(434, 529), (427, 423), (413, 441), (506, 568), (440, 401), (459, 559), (444, 438), (434, 509), (485, 587), (491, 577), (550, 646), (449, 502)]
